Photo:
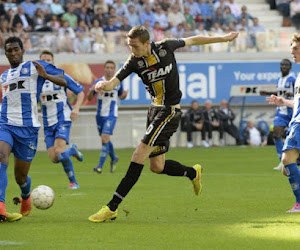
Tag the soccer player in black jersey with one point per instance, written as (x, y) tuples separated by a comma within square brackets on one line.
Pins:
[(156, 65)]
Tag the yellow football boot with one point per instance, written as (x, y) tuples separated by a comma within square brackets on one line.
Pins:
[(104, 214), (197, 180)]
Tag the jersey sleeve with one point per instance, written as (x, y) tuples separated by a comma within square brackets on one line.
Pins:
[(73, 85), (125, 70), (121, 89), (172, 43), (51, 69)]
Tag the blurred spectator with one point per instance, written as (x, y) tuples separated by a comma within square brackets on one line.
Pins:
[(82, 28), (2, 10), (54, 24), (77, 4), (201, 30), (98, 37), (147, 15), (199, 20), (242, 25), (165, 5), (194, 7), (220, 4), (117, 19), (254, 136), (132, 16), (161, 17), (82, 44), (100, 17), (235, 9), (109, 2), (56, 8), (295, 13), (66, 30), (245, 15), (70, 17), (149, 28), (206, 13), (175, 17), (177, 31), (39, 21), (188, 17), (218, 16), (85, 16), (66, 36), (216, 29), (11, 4), (26, 42), (228, 16), (226, 118), (111, 27), (121, 8), (138, 6), (44, 7), (18, 29), (158, 32), (254, 29), (211, 122), (4, 26), (29, 8), (22, 18), (284, 7), (101, 4), (193, 121), (125, 26)]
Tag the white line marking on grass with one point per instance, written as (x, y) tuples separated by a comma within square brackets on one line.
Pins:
[(76, 194), (10, 243)]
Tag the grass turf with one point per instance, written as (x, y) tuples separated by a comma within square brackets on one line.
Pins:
[(242, 205)]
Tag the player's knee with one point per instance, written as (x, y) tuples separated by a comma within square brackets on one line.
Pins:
[(277, 136), (285, 161), (3, 157), (20, 179), (156, 168)]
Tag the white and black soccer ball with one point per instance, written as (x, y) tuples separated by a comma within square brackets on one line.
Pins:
[(42, 197)]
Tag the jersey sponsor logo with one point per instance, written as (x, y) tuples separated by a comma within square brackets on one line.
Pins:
[(157, 74), (162, 53), (47, 98), (14, 86), (141, 64)]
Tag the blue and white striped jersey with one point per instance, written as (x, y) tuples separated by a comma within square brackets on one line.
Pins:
[(21, 87), (285, 85), (296, 112), (107, 101), (54, 100)]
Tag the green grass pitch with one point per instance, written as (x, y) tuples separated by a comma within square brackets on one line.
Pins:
[(242, 205)]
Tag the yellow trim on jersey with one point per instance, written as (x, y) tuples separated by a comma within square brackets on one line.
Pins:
[(161, 126), (151, 60), (159, 90)]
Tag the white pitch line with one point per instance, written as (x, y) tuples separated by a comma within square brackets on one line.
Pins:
[(10, 243)]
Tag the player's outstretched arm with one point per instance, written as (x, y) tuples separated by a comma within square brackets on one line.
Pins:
[(279, 101), (107, 85), (199, 40), (57, 79), (76, 107)]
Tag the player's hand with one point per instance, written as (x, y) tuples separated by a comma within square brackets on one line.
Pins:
[(275, 100), (231, 36), (40, 69), (99, 86), (74, 114)]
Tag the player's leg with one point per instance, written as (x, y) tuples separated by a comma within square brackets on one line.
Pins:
[(64, 157), (278, 133), (110, 212), (5, 150)]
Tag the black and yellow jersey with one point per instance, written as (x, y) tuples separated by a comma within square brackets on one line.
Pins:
[(158, 72)]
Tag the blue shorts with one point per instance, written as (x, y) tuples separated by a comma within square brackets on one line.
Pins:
[(281, 121), (58, 130), (22, 140), (106, 125)]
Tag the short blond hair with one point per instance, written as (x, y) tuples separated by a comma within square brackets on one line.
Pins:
[(295, 38)]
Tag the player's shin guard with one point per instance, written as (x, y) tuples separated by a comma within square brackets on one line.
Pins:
[(68, 166), (131, 177), (174, 168), (3, 181), (278, 145), (103, 154), (25, 188), (294, 179), (111, 150)]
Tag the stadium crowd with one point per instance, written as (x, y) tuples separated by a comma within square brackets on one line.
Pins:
[(85, 26)]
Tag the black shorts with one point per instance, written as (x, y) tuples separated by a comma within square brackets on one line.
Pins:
[(162, 122)]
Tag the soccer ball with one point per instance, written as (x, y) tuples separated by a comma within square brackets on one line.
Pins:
[(42, 197)]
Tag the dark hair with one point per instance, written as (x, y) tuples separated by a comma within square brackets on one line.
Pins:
[(110, 61), (286, 60), (13, 39), (141, 32), (47, 52)]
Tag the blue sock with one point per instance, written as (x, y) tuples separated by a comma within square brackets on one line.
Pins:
[(68, 166), (25, 188), (70, 152), (294, 179), (103, 154), (111, 151), (278, 145), (3, 181)]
